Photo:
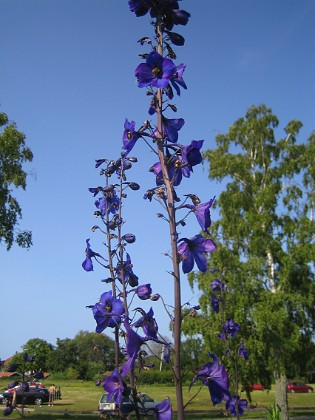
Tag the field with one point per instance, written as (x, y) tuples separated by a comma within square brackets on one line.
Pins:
[(80, 399)]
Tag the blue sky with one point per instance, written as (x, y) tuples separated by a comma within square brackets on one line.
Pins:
[(67, 80)]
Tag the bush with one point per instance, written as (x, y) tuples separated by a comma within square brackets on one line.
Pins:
[(71, 373), (153, 377)]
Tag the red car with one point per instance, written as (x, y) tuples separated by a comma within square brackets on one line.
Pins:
[(298, 387), (255, 387)]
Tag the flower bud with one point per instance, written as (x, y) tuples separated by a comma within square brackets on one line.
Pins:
[(144, 291), (132, 159), (129, 238), (134, 186)]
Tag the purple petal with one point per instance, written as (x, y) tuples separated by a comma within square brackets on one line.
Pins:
[(163, 410)]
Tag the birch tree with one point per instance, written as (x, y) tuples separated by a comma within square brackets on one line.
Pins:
[(265, 233)]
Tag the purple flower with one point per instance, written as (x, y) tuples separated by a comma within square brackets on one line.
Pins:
[(8, 410), (163, 410), (215, 304), (236, 402), (191, 156), (13, 368), (107, 312), (130, 136), (192, 250), (108, 203), (25, 387), (230, 328), (215, 377), (87, 263), (144, 291), (99, 162), (157, 170), (28, 358), (202, 212), (114, 385), (133, 345), (96, 190), (168, 10), (174, 170), (171, 128), (38, 375), (148, 324), (178, 80), (217, 285), (125, 271), (157, 71), (242, 351), (140, 7), (176, 17)]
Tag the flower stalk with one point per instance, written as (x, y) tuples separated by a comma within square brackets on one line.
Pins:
[(162, 79)]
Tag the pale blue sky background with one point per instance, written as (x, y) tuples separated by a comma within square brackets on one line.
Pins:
[(67, 80)]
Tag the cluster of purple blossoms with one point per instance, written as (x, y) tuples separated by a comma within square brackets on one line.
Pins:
[(161, 78), (167, 10), (111, 311)]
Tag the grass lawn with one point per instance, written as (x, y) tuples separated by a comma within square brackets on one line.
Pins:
[(80, 400)]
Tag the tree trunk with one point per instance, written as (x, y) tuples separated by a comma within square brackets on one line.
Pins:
[(281, 394)]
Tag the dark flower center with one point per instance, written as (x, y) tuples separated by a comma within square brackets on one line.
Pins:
[(156, 71), (129, 135), (108, 306)]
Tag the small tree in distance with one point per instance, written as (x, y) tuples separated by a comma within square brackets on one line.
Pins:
[(13, 154)]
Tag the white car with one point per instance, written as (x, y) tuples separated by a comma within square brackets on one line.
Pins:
[(146, 405)]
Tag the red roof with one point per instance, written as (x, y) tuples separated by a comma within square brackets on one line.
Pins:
[(9, 374), (7, 361)]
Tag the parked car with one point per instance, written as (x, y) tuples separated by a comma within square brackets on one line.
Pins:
[(105, 406), (12, 387), (254, 387), (34, 395), (146, 405), (298, 387)]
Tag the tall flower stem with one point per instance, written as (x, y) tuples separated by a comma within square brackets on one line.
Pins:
[(173, 236), (112, 273), (177, 289), (123, 281)]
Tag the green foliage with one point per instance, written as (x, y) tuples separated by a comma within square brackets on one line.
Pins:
[(193, 355), (87, 356), (13, 154), (64, 356), (81, 396), (41, 350), (265, 236), (154, 377), (273, 412), (70, 373), (38, 348)]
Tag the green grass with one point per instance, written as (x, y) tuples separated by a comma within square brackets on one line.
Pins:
[(80, 399)]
